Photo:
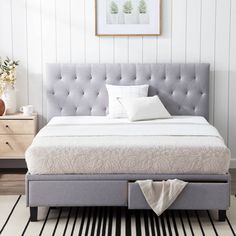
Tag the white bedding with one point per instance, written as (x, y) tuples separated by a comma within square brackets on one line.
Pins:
[(183, 144)]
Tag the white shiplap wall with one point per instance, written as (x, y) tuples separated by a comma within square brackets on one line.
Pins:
[(40, 31)]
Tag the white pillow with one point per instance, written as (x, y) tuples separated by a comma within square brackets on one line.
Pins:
[(116, 110), (145, 108)]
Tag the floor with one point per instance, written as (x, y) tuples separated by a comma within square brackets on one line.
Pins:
[(14, 220), (12, 182), (233, 181)]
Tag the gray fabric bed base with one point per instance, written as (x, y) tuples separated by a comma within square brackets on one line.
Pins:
[(132, 177), (202, 192)]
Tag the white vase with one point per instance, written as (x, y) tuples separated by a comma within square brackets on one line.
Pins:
[(130, 19), (114, 18), (143, 18), (9, 98)]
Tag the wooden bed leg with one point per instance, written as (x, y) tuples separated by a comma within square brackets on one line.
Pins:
[(222, 215), (33, 214)]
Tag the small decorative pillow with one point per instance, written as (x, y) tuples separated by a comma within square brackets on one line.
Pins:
[(116, 110), (145, 108)]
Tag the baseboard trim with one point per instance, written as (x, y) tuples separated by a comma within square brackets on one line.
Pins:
[(12, 163), (233, 164)]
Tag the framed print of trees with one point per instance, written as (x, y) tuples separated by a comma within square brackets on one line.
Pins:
[(128, 17)]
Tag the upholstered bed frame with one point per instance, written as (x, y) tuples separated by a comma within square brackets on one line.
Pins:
[(79, 89)]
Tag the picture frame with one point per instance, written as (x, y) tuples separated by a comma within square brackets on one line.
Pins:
[(127, 17)]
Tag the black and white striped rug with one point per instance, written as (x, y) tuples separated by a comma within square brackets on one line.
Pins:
[(14, 221)]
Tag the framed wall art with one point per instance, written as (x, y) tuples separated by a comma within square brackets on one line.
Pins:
[(128, 17)]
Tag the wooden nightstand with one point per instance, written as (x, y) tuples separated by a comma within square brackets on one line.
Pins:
[(16, 134)]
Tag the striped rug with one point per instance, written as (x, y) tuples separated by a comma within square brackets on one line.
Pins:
[(14, 221)]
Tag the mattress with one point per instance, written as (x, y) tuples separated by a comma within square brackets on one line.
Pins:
[(101, 145)]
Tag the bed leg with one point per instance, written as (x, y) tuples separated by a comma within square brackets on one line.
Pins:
[(33, 214), (222, 215)]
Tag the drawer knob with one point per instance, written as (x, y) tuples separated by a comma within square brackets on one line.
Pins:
[(7, 143), (7, 126)]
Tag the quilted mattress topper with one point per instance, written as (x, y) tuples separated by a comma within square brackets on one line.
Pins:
[(101, 145)]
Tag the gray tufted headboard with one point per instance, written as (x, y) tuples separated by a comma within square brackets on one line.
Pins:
[(79, 89)]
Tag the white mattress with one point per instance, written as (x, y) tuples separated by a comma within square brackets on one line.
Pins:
[(101, 145)]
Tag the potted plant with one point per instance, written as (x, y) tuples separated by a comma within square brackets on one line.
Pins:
[(128, 12), (7, 84), (143, 15), (114, 10)]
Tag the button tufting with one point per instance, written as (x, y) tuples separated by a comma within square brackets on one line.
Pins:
[(94, 98)]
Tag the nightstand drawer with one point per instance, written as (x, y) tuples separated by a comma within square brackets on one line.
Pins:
[(14, 145), (17, 126)]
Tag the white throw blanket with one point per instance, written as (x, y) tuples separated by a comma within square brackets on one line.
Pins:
[(160, 195), (177, 126)]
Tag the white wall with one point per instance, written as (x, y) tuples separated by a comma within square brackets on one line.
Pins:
[(39, 31)]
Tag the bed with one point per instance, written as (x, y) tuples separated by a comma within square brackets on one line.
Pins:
[(81, 152)]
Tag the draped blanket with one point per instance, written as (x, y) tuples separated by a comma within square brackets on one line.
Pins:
[(160, 195)]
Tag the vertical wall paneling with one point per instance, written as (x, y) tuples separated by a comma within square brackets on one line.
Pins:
[(34, 40), (19, 37), (49, 46), (179, 30), (232, 83), (222, 65), (63, 30), (135, 49), (121, 49), (78, 44), (92, 41), (149, 49), (6, 28), (106, 49), (207, 52), (164, 40), (193, 33)]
